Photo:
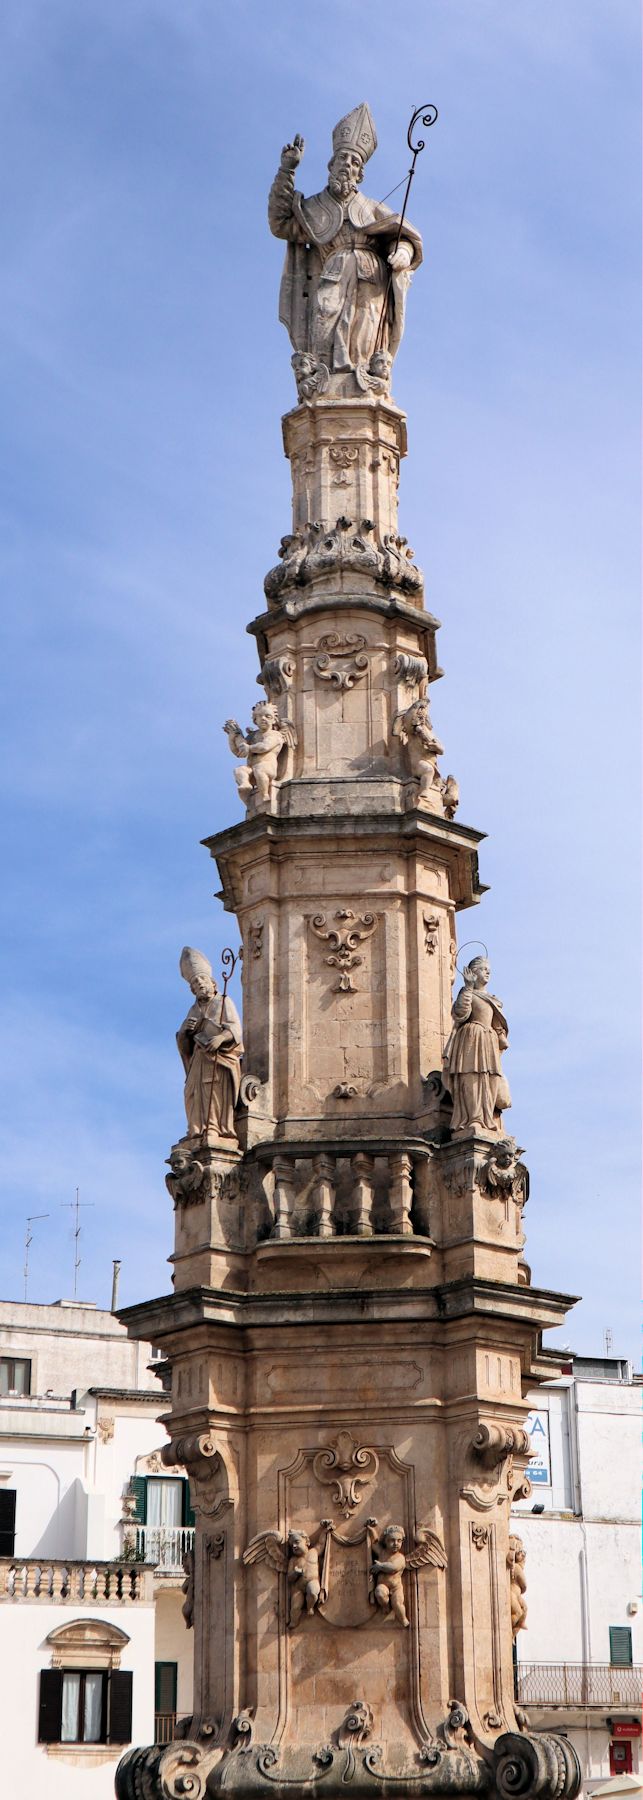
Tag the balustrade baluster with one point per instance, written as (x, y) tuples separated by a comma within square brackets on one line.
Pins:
[(401, 1194), (362, 1194), (32, 1579), (284, 1197), (322, 1197)]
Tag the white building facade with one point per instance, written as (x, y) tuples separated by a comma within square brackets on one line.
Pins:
[(579, 1657), (93, 1533), (94, 1529)]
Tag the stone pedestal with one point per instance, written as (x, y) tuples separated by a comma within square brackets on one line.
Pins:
[(352, 1328)]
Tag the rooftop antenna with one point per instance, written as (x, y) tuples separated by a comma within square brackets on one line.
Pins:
[(609, 1340), (75, 1207), (31, 1217)]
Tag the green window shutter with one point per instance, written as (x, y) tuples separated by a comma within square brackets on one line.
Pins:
[(165, 1680), (50, 1706), (120, 1707), (188, 1509), (621, 1646), (138, 1487)]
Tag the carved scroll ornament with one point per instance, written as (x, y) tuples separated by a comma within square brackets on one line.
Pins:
[(341, 658), (346, 1467), (344, 941)]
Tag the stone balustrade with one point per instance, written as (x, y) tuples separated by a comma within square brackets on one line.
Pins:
[(359, 1195), (110, 1583)]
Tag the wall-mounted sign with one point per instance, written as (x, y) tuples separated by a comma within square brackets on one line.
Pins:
[(539, 1465)]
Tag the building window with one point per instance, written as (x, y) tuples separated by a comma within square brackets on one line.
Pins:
[(7, 1521), (165, 1687), (621, 1646), (15, 1375), (83, 1716), (161, 1501), (85, 1706)]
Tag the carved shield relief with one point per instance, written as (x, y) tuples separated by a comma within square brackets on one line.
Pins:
[(347, 1604)]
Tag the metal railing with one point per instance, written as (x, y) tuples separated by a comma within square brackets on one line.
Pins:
[(165, 1726), (164, 1546), (578, 1684), (124, 1583)]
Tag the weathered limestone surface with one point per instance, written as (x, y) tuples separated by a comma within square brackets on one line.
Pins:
[(352, 1326)]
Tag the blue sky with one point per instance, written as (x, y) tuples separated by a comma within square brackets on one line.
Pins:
[(144, 492)]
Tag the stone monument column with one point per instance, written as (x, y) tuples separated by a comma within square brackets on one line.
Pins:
[(352, 1327)]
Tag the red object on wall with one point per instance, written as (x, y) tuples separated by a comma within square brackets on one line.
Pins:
[(620, 1759), (625, 1728)]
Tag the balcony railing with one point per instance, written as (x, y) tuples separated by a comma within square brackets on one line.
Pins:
[(164, 1546), (578, 1684), (165, 1725), (113, 1583)]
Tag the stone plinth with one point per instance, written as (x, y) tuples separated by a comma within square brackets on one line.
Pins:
[(345, 459)]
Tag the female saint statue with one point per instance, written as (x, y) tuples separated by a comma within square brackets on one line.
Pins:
[(472, 1072)]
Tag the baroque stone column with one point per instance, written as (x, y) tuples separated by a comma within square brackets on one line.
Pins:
[(352, 1329)]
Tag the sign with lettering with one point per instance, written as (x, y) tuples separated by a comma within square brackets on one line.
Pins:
[(539, 1465)]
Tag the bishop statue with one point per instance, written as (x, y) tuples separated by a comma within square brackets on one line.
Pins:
[(346, 275)]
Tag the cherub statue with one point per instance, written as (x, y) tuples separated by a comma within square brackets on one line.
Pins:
[(389, 1562), (438, 793), (516, 1558), (262, 744), (297, 1557)]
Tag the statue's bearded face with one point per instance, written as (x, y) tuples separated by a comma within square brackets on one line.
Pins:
[(203, 987), (344, 174)]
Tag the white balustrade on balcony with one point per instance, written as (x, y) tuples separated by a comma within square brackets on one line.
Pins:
[(40, 1578), (164, 1545)]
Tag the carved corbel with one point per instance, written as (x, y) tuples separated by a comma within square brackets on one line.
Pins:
[(198, 1454), (490, 1478), (411, 670), (492, 1443), (277, 675)]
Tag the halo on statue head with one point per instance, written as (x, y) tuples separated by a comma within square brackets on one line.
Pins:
[(471, 943)]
